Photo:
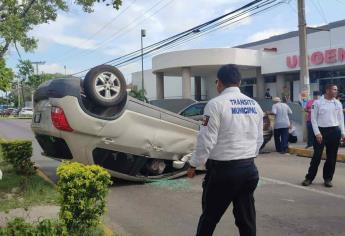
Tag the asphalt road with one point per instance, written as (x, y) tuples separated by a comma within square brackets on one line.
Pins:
[(173, 207)]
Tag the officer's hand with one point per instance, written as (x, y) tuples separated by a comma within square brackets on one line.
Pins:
[(318, 138), (191, 172), (343, 137)]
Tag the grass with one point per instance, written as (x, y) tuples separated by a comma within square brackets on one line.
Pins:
[(22, 192)]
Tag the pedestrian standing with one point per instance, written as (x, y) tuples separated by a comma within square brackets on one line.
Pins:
[(268, 94), (286, 94), (328, 124), (281, 112), (307, 109), (229, 139)]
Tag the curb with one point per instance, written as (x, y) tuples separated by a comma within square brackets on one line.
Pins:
[(107, 231), (44, 176), (309, 153)]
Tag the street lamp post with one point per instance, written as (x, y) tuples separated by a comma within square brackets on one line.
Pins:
[(142, 35)]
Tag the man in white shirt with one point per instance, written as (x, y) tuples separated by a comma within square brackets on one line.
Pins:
[(230, 138), (281, 125), (327, 119)]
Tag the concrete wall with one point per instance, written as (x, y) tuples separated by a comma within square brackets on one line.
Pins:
[(274, 62), (172, 85)]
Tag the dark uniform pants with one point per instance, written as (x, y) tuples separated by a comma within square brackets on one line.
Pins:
[(226, 182), (330, 139), (311, 135)]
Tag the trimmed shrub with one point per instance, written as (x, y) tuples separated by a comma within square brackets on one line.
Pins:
[(47, 227), (18, 154), (83, 189)]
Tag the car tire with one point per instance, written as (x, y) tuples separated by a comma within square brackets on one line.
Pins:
[(105, 85)]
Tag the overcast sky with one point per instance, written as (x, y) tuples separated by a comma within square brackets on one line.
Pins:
[(79, 40)]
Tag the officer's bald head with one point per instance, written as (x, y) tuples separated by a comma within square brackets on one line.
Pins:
[(229, 75)]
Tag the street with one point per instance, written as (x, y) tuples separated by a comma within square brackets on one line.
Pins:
[(172, 207)]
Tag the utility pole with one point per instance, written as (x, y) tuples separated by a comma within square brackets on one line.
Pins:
[(142, 35), (32, 92), (303, 58), (18, 90), (38, 63)]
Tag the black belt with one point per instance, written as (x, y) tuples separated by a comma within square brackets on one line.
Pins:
[(230, 163), (331, 127)]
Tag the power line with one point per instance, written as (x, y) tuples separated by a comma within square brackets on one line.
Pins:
[(175, 38), (118, 35), (254, 5), (197, 36), (192, 36), (320, 11), (125, 28), (68, 52), (188, 33)]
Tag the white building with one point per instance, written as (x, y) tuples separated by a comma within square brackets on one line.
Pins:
[(270, 63)]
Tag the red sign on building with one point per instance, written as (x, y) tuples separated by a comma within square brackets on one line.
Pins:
[(329, 56)]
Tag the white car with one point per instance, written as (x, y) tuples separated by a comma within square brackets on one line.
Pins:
[(94, 121), (26, 111)]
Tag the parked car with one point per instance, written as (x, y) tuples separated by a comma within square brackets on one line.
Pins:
[(26, 111), (15, 112), (94, 121), (8, 111), (195, 111)]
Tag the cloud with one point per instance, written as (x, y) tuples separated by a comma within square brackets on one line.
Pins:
[(54, 32), (266, 34), (93, 38)]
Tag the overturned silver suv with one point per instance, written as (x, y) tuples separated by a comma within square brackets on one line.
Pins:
[(94, 121)]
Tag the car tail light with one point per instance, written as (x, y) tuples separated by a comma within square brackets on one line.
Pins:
[(59, 119)]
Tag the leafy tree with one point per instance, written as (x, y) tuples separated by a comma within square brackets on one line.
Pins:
[(6, 76), (35, 80), (25, 68), (24, 92), (18, 17)]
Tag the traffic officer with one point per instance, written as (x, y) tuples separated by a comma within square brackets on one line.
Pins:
[(229, 139), (328, 125)]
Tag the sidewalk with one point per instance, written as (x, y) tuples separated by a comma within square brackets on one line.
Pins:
[(33, 214), (300, 150)]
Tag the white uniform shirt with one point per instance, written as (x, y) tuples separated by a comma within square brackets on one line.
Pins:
[(281, 111), (327, 113), (232, 129)]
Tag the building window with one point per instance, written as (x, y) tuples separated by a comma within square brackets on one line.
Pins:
[(270, 79)]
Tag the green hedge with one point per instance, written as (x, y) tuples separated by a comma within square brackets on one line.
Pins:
[(83, 189), (18, 227), (18, 154)]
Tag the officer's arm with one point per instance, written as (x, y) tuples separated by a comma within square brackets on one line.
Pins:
[(207, 136), (260, 138), (340, 116), (314, 115)]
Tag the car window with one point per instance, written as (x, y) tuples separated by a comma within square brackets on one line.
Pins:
[(194, 110)]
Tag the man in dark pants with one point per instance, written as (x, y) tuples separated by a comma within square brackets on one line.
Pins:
[(328, 124), (229, 139), (282, 123)]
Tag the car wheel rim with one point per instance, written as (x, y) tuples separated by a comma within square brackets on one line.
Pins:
[(107, 86)]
